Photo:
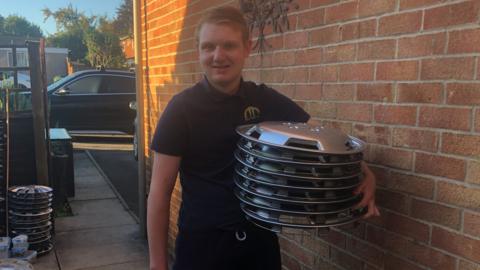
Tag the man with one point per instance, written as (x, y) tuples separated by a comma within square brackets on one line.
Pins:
[(196, 137)]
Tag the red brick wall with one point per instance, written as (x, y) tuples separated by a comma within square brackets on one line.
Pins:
[(403, 75)]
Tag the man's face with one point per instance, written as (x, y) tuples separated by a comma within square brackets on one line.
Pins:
[(222, 55)]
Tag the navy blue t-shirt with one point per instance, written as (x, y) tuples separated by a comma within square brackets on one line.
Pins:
[(199, 126)]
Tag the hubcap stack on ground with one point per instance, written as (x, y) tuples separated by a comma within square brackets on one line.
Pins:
[(297, 175), (29, 209)]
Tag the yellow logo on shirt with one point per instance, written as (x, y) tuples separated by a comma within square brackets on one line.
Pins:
[(251, 113)]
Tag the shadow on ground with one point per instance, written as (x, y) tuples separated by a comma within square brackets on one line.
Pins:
[(121, 169)]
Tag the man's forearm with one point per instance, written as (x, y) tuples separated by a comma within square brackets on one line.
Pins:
[(158, 215)]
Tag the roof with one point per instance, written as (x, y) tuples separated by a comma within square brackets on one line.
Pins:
[(16, 40), (105, 71)]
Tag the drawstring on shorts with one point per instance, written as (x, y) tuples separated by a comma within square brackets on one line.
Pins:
[(241, 235)]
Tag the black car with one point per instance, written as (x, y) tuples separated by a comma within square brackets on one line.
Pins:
[(93, 100)]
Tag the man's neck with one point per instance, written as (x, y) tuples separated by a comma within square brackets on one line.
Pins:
[(228, 89)]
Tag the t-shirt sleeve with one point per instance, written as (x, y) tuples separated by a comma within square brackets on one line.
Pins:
[(170, 135), (283, 108)]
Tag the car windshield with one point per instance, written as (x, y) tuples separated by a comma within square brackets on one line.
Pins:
[(59, 82)]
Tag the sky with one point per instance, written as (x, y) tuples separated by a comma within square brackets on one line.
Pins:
[(32, 10)]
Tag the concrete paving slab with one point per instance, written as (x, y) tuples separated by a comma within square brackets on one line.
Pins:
[(87, 193), (79, 155), (97, 237), (94, 214), (140, 265), (86, 172), (91, 184), (92, 207), (90, 181), (46, 262), (94, 187), (80, 159), (121, 170), (120, 247), (102, 234), (88, 257)]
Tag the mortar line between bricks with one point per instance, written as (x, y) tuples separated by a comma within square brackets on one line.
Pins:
[(173, 11), (407, 260), (438, 130), (295, 259), (436, 177), (423, 244), (453, 254), (393, 83), (449, 81), (422, 21), (174, 54), (428, 176), (469, 26), (345, 42), (462, 223), (442, 154), (456, 232), (417, 115), (387, 14), (475, 68), (430, 233)]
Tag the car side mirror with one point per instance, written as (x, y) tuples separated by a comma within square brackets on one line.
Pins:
[(63, 91), (132, 105)]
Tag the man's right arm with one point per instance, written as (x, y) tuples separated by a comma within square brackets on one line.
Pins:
[(164, 174)]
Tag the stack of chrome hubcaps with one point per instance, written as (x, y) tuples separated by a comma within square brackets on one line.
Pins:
[(297, 175), (30, 214)]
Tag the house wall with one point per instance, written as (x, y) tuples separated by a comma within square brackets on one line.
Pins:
[(55, 61), (127, 47), (403, 75)]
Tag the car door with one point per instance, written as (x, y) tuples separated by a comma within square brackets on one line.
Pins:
[(75, 105), (119, 91)]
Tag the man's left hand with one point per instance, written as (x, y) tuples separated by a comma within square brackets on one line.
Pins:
[(367, 187)]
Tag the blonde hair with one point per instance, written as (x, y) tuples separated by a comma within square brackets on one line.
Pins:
[(225, 15)]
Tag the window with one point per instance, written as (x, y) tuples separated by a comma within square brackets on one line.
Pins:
[(22, 59), (118, 84), (87, 85), (4, 58)]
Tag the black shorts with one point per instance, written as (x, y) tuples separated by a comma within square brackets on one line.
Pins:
[(225, 250)]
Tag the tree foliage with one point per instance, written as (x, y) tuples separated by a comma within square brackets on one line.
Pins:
[(123, 23), (73, 40), (72, 27), (104, 49), (92, 39), (69, 19), (15, 25)]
